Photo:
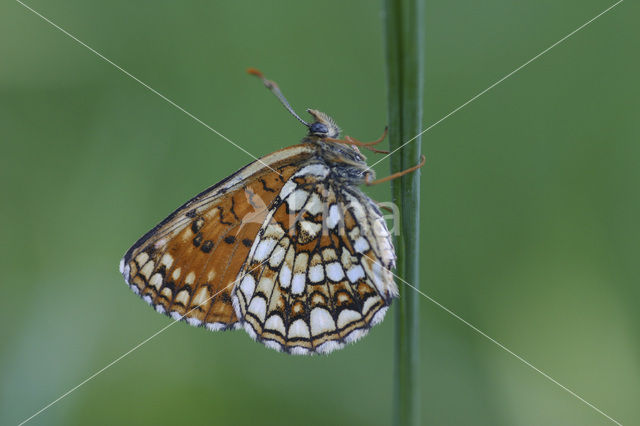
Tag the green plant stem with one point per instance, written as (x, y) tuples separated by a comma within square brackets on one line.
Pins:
[(404, 47)]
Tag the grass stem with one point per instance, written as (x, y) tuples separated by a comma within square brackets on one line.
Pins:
[(404, 48)]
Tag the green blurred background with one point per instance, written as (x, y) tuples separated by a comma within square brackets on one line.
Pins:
[(529, 220)]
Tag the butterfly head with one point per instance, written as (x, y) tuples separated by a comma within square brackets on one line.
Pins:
[(323, 126)]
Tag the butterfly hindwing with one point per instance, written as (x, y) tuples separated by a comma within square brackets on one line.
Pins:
[(318, 273)]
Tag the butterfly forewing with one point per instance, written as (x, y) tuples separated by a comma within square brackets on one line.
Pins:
[(318, 275), (186, 266)]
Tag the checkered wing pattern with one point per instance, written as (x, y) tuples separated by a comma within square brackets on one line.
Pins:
[(186, 267), (318, 275)]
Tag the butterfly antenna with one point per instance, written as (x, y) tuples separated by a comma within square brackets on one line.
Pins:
[(271, 85)]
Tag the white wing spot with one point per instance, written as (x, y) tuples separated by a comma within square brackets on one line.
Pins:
[(265, 285), (347, 316), (298, 284), (167, 260), (274, 231), (319, 170), (335, 271), (311, 228), (264, 249), (299, 328), (316, 273), (247, 286), (277, 256), (156, 281), (285, 276), (176, 274), (183, 297), (147, 269), (191, 277), (142, 258), (258, 307), (166, 292), (355, 273), (296, 200), (201, 297), (287, 189), (369, 303), (314, 205), (361, 245), (321, 321), (334, 216), (274, 322)]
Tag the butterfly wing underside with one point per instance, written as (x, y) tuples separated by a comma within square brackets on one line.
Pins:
[(318, 275), (186, 266)]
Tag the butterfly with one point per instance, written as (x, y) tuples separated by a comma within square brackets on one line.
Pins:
[(288, 248)]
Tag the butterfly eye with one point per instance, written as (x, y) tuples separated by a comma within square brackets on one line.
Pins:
[(318, 129)]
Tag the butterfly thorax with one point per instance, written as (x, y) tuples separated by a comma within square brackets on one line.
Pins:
[(346, 161)]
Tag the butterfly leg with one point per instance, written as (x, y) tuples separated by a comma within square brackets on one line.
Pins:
[(377, 141), (365, 145), (384, 207), (348, 140), (396, 175)]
